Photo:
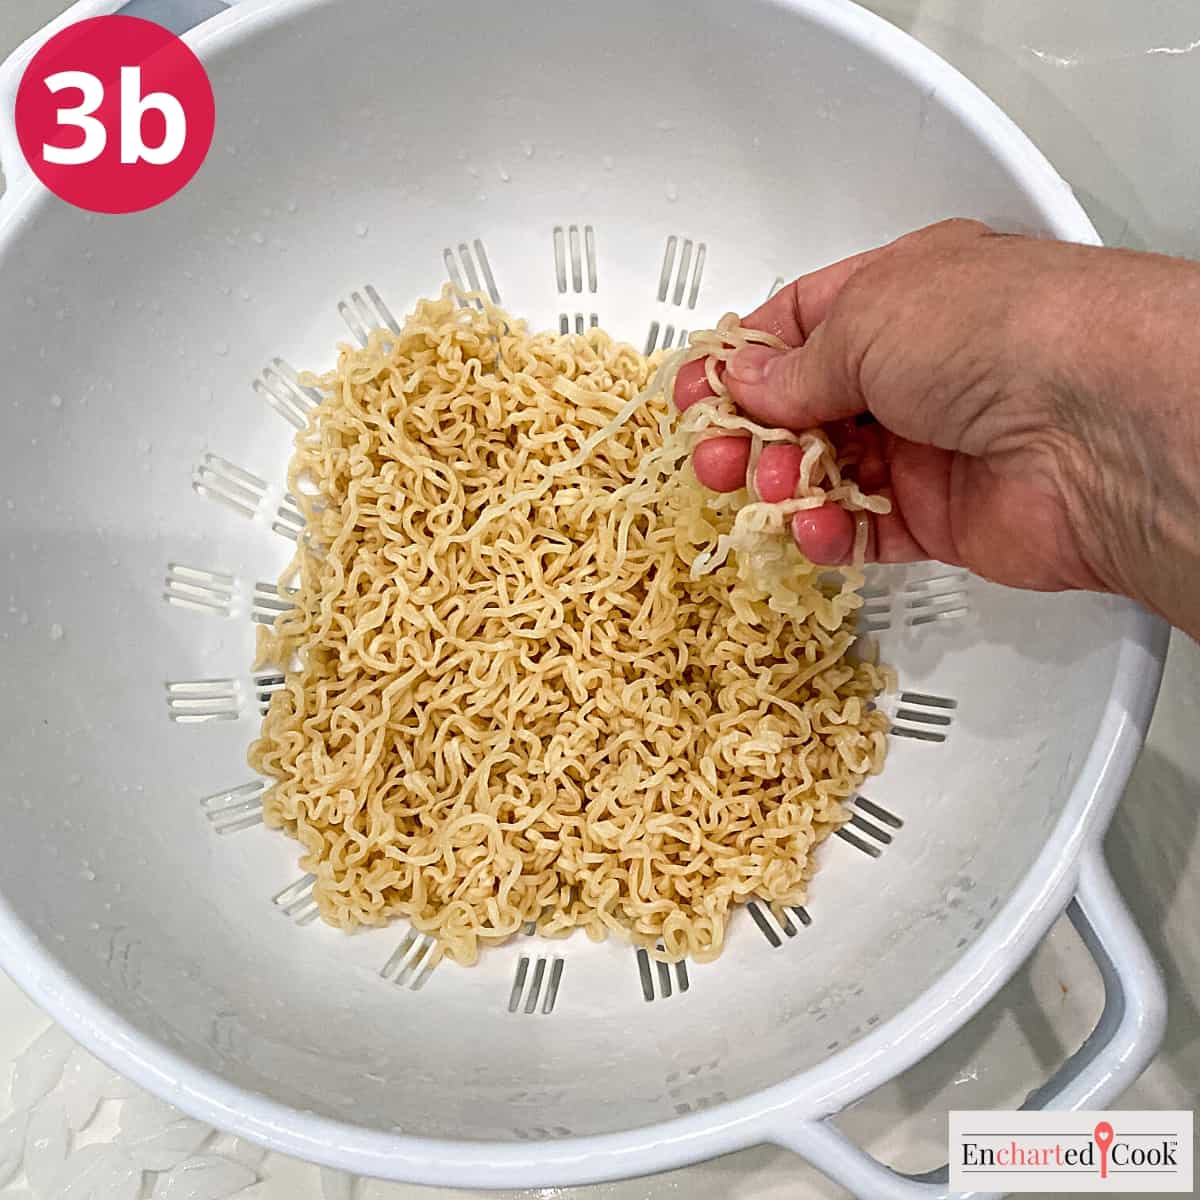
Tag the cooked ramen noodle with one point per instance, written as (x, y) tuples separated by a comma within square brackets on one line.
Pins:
[(534, 673)]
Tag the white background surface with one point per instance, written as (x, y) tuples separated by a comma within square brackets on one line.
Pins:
[(1110, 90)]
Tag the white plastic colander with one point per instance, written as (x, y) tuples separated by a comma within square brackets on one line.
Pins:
[(646, 166)]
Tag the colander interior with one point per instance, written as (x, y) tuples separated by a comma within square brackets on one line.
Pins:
[(647, 167)]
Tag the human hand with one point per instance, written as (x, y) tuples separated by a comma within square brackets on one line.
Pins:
[(1031, 405)]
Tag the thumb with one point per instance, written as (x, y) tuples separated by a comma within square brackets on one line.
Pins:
[(794, 389)]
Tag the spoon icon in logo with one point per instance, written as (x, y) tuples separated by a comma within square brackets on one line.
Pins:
[(1102, 1135)]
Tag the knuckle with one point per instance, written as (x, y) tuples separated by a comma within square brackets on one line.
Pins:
[(960, 229)]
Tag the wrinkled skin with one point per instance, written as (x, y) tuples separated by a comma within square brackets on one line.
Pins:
[(1032, 409)]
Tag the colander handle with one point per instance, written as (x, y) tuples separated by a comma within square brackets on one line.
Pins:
[(1125, 1039), (177, 15)]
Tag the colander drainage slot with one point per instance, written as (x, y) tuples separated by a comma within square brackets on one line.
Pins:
[(776, 926), (547, 971), (198, 589), (412, 961), (670, 338), (924, 717), (463, 273), (578, 320), (939, 597), (297, 901), (656, 977), (236, 809), (866, 834), (269, 603), (875, 616), (580, 251), (279, 385), (266, 684), (193, 701), (935, 598), (673, 278), (289, 521), (878, 812), (365, 311), (226, 482)]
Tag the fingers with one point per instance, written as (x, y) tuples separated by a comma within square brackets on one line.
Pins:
[(825, 536), (797, 309), (817, 379), (890, 540), (799, 388), (691, 385), (791, 314), (720, 463), (778, 472)]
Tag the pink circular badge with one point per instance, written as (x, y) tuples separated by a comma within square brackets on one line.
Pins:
[(115, 114)]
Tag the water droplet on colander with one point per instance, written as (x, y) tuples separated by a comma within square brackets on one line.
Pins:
[(221, 349), (88, 876), (527, 149), (56, 632), (505, 177), (226, 290), (56, 401), (672, 192), (10, 505), (145, 447), (362, 229), (292, 206), (607, 162), (24, 618), (258, 237), (666, 126), (473, 172)]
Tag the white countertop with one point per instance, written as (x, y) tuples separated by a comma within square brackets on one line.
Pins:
[(1110, 90)]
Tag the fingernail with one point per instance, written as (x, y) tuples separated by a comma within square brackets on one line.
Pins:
[(751, 364)]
